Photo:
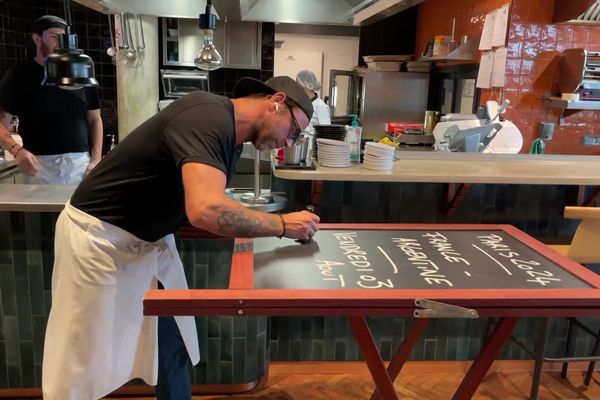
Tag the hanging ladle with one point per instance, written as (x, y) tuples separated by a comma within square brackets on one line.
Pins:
[(112, 50), (130, 54)]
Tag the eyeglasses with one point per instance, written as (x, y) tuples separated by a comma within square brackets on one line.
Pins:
[(294, 127)]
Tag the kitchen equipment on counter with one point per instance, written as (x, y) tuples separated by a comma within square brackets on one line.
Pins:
[(178, 83), (431, 120), (297, 152), (508, 140), (471, 140), (580, 73), (378, 97)]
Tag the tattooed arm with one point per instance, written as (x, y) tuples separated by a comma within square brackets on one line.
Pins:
[(207, 207)]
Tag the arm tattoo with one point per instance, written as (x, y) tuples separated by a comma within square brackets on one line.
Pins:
[(237, 223)]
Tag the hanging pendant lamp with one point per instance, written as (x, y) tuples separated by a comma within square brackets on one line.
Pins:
[(208, 58), (67, 66)]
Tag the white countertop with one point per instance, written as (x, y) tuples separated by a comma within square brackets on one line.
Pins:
[(444, 167)]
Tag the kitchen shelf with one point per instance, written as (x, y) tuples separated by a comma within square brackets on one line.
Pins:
[(557, 102), (572, 105), (468, 51)]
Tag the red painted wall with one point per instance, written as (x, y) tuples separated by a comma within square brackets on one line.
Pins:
[(534, 45)]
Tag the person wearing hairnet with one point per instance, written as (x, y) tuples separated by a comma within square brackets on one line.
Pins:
[(321, 112)]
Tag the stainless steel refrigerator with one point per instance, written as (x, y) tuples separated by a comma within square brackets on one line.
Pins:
[(378, 98)]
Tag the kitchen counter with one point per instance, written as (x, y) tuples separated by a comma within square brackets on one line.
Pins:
[(52, 198), (443, 167), (37, 198), (7, 166)]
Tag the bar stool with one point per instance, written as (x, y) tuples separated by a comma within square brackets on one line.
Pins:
[(584, 249)]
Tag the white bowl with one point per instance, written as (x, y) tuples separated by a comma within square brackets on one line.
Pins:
[(379, 158), (379, 149)]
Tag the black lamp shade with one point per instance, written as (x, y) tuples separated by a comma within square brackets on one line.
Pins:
[(69, 67)]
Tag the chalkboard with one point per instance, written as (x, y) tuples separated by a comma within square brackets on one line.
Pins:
[(406, 259)]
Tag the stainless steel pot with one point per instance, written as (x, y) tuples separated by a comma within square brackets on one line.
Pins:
[(297, 152)]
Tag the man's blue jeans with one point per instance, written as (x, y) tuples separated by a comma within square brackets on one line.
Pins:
[(173, 362)]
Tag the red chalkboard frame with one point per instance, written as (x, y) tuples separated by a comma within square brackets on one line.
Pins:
[(241, 299)]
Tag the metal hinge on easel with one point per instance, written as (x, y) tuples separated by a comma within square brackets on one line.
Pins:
[(435, 309)]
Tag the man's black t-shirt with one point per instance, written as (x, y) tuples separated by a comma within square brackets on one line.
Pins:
[(51, 120), (138, 186)]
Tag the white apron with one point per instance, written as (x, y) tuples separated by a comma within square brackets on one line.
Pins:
[(97, 337), (60, 169)]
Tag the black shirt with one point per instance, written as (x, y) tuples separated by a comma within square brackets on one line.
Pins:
[(138, 186), (51, 120)]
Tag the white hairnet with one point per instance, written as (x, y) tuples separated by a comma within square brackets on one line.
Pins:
[(308, 80)]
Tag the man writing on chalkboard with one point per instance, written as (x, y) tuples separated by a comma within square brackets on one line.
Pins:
[(114, 240)]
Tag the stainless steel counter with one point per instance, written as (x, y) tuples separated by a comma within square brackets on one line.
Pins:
[(52, 198), (7, 164), (40, 198), (7, 167), (442, 167)]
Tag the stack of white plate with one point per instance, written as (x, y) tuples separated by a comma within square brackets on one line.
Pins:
[(378, 156), (333, 153)]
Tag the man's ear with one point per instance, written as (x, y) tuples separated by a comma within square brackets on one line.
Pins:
[(37, 39), (278, 97)]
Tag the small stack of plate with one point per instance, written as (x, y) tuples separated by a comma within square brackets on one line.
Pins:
[(333, 132), (333, 153), (378, 156)]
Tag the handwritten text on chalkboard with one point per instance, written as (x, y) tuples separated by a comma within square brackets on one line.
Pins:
[(408, 259), (415, 252)]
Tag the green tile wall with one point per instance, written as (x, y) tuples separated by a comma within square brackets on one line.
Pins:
[(233, 350), (237, 350), (535, 209)]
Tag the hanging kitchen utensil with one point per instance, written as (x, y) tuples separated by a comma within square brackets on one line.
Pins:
[(131, 53), (112, 50), (121, 36), (141, 41)]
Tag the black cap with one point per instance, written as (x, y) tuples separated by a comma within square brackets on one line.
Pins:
[(293, 91), (47, 22)]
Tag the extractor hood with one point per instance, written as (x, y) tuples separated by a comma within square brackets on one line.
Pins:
[(381, 10), (322, 12), (327, 12), (292, 11), (159, 8)]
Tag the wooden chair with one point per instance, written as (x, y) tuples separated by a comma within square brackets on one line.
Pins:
[(585, 246), (585, 249)]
